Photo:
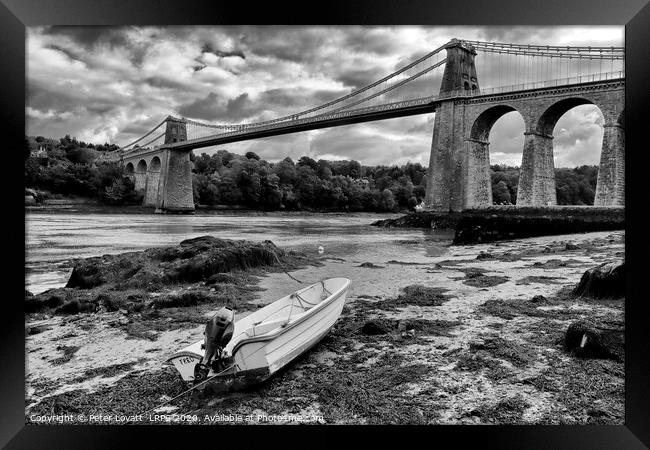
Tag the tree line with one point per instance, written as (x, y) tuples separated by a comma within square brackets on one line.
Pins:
[(575, 186), (68, 167), (225, 178)]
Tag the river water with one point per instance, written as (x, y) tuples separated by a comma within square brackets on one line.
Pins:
[(53, 239)]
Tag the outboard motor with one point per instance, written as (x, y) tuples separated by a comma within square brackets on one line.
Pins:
[(218, 332)]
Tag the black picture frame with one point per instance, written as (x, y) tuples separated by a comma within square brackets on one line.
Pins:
[(15, 15)]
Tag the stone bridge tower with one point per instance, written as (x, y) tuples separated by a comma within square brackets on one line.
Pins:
[(176, 130), (448, 171), (175, 185)]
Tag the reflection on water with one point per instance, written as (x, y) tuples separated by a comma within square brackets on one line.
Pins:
[(53, 239)]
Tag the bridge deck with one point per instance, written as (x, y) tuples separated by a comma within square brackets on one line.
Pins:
[(406, 108)]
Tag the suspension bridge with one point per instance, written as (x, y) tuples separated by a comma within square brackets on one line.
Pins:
[(541, 82)]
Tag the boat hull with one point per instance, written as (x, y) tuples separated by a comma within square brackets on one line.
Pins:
[(258, 358)]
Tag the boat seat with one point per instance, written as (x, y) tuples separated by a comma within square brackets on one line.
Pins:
[(265, 327)]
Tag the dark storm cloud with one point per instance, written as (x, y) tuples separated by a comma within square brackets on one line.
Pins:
[(73, 55), (239, 108), (211, 109), (89, 36), (165, 83), (521, 34), (297, 44), (425, 85), (100, 108), (208, 48), (360, 77), (207, 108), (379, 41), (43, 98), (291, 97)]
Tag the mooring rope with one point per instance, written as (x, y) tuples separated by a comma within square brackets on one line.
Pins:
[(284, 269)]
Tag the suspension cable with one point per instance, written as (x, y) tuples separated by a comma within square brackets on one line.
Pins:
[(526, 70), (139, 139)]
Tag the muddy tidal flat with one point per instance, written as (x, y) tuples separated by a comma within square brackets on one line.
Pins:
[(473, 334)]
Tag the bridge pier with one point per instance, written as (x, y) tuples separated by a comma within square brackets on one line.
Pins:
[(153, 182), (439, 183), (610, 185), (175, 192), (537, 173), (479, 183)]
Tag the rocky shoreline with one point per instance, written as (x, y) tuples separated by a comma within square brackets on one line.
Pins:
[(497, 223), (503, 332)]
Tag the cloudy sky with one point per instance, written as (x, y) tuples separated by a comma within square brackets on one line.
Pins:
[(104, 84)]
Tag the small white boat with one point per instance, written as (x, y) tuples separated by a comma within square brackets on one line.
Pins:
[(258, 345)]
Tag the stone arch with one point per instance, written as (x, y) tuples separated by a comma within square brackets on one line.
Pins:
[(141, 175), (485, 121), (153, 179), (129, 171), (547, 121), (154, 165), (479, 184), (466, 85)]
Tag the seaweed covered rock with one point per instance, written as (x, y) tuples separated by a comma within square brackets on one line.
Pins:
[(369, 265), (604, 281), (596, 339), (375, 327), (76, 306), (191, 261), (223, 278), (197, 271), (96, 271), (46, 300), (421, 219)]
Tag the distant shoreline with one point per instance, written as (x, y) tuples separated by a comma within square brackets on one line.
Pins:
[(91, 207)]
